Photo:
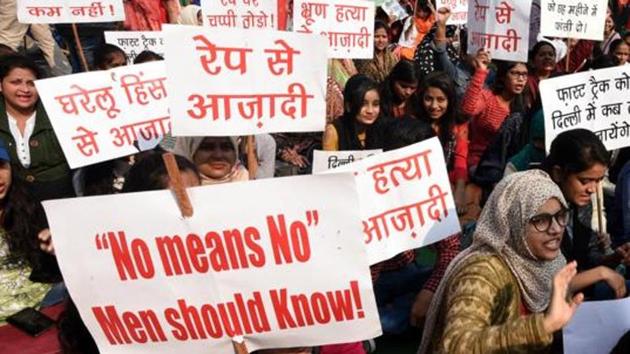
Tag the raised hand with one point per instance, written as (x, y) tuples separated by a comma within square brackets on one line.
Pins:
[(562, 307)]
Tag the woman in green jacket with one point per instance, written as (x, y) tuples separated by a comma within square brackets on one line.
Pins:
[(36, 155)]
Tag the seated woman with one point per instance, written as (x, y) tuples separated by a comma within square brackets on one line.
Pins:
[(577, 162), (401, 83), (508, 291), (25, 270), (435, 104), (402, 288), (360, 126), (383, 61), (36, 156), (216, 158)]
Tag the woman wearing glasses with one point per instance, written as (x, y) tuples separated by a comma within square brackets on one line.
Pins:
[(577, 162), (508, 292)]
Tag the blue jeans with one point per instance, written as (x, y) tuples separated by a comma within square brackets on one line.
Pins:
[(396, 292), (55, 295)]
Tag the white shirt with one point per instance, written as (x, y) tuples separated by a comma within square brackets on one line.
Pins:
[(22, 141)]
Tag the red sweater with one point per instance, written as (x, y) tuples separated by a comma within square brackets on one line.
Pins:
[(487, 116)]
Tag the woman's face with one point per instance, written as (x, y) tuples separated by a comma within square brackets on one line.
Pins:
[(380, 40), (545, 245), (215, 157), (18, 89), (370, 109), (609, 25), (516, 79), (115, 60), (5, 178), (435, 102), (404, 90), (622, 53), (578, 187), (545, 59)]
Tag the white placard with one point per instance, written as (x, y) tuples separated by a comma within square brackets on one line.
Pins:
[(573, 19), (146, 280), (328, 160), (405, 199), (135, 42), (244, 82), (99, 115), (593, 100), (597, 326), (70, 11), (347, 24), (459, 11), (500, 27), (394, 10), (258, 14)]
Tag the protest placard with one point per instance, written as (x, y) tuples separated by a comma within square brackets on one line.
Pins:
[(459, 11), (259, 269), (573, 19), (394, 10), (98, 116), (347, 24), (593, 100), (405, 199), (257, 14), (135, 42), (221, 82), (70, 11), (597, 326), (501, 27), (328, 160)]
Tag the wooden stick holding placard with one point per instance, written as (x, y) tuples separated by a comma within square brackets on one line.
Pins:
[(79, 47), (177, 185), (601, 227), (252, 159), (239, 347), (567, 61)]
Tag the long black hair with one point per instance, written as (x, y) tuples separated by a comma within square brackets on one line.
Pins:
[(150, 173), (353, 96), (16, 61), (575, 151), (520, 102), (22, 219), (404, 71), (443, 82)]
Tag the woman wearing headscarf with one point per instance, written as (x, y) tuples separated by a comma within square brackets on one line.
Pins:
[(190, 15), (216, 158), (508, 291)]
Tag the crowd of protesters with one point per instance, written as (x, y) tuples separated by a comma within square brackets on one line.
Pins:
[(528, 254)]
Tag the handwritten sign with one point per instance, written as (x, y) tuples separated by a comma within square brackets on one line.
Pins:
[(225, 82), (405, 199), (500, 27), (593, 100), (574, 19), (240, 13), (135, 42), (394, 10), (328, 160), (347, 24), (597, 326), (459, 11), (70, 11), (261, 272), (97, 116)]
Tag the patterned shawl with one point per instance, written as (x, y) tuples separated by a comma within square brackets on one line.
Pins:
[(501, 231)]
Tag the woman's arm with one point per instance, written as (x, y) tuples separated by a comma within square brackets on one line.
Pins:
[(330, 142)]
